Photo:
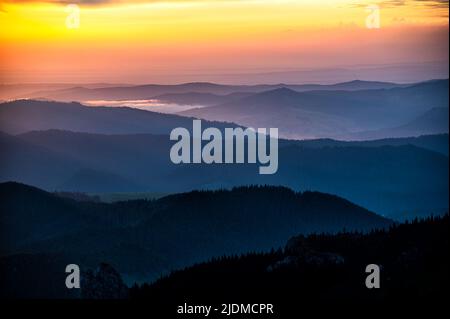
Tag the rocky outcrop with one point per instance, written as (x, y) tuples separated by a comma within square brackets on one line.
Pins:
[(298, 253), (103, 283)]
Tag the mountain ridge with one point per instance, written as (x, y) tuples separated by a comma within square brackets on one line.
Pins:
[(144, 91), (50, 159), (200, 225), (329, 114)]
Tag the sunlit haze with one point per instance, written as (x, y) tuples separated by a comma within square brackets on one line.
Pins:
[(221, 41)]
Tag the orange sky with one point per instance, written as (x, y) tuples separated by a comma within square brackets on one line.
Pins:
[(143, 41)]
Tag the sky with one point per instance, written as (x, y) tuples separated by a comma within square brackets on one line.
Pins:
[(221, 40)]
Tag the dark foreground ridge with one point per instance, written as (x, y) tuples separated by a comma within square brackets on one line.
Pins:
[(144, 239), (317, 269), (413, 257)]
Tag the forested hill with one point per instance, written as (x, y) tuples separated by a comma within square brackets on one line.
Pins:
[(413, 258), (147, 238)]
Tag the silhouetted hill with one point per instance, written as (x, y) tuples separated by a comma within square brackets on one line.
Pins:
[(438, 142), (34, 164), (356, 85), (377, 175), (104, 163), (147, 238), (384, 172), (413, 257), (27, 115), (89, 180), (433, 121), (30, 215), (58, 169)]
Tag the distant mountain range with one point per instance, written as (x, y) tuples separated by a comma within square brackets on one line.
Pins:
[(318, 114), (148, 238), (392, 111), (216, 99), (108, 92), (375, 174)]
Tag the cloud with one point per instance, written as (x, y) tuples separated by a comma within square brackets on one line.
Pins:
[(399, 3), (435, 3)]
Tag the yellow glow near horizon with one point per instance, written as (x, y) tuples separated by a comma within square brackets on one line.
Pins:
[(35, 32), (201, 19)]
